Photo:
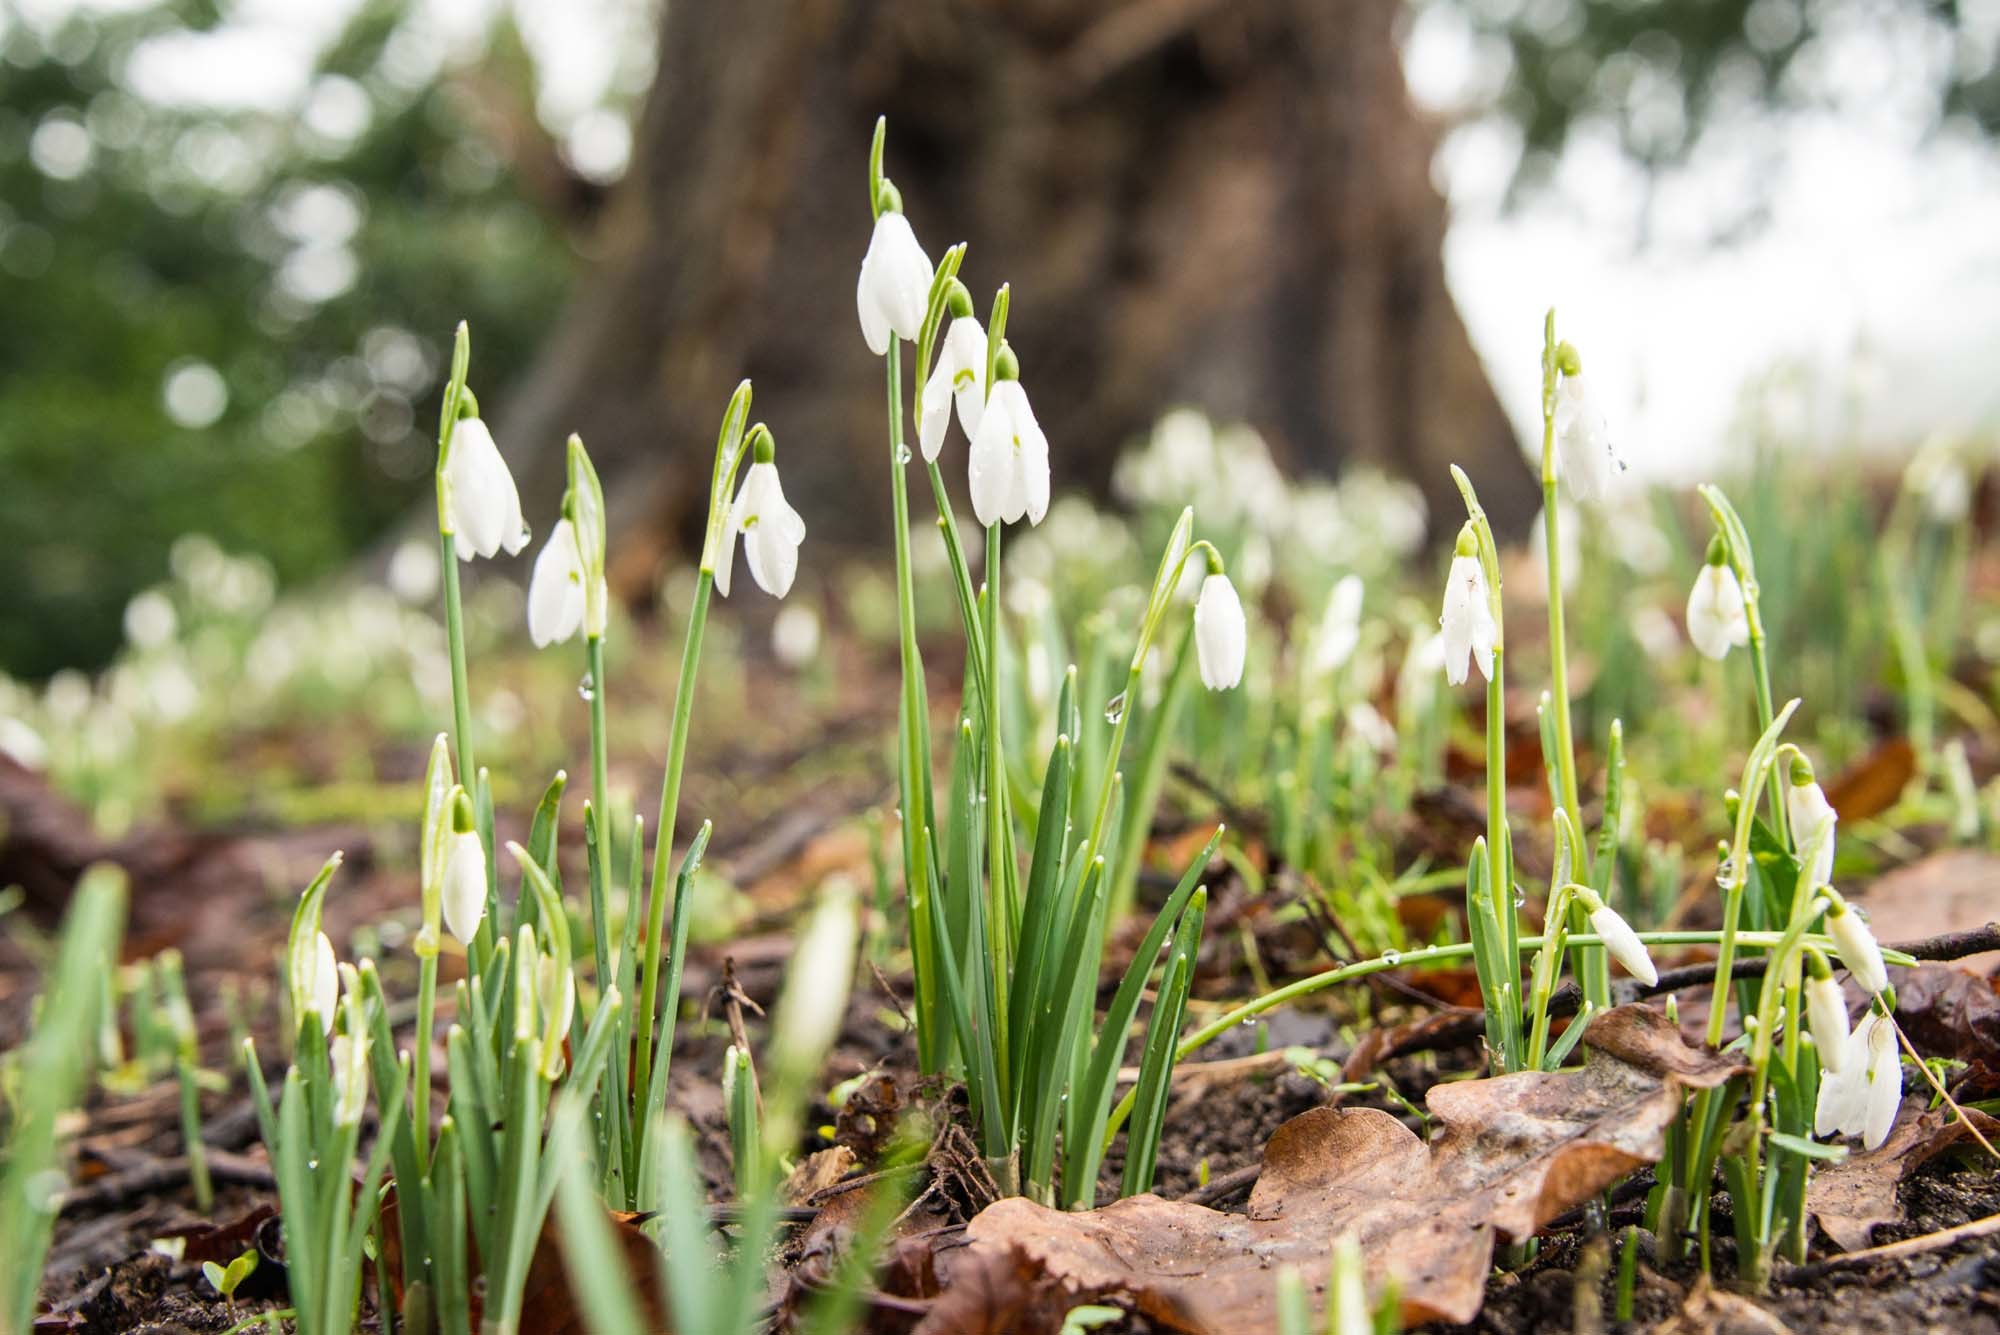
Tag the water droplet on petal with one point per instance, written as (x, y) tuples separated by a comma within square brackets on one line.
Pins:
[(1114, 709)]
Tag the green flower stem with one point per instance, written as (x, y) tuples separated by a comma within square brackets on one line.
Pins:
[(663, 839), (1002, 910), (1592, 966), (600, 806), (1348, 973), (913, 737)]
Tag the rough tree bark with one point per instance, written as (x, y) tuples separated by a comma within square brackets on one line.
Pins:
[(1218, 202)]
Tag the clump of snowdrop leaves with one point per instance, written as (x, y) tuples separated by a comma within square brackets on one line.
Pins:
[(1470, 630), (770, 528), (482, 507), (1717, 619)]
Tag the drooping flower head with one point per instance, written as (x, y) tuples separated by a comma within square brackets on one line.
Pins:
[(1717, 619), (1590, 461), (1856, 944), (1861, 1096), (895, 283), (1620, 941), (463, 893), (1220, 632), (555, 591), (482, 504), (1467, 624), (1009, 464), (1812, 819), (770, 528), (1826, 1012), (958, 380)]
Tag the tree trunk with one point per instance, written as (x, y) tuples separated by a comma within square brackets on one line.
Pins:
[(1223, 203)]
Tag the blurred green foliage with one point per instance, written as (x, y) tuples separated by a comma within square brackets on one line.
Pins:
[(232, 321)]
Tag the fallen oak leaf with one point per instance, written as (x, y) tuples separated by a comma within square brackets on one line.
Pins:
[(1949, 1012), (1517, 1151), (1852, 1197)]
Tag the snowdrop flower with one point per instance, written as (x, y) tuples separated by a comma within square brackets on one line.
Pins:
[(347, 1058), (1010, 460), (1812, 818), (1716, 617), (555, 998), (1219, 631), (1467, 624), (434, 840), (895, 286), (959, 379), (463, 893), (1589, 460), (1862, 1096), (1339, 626), (771, 528), (1621, 941), (484, 506), (325, 987), (583, 506), (555, 592), (1856, 944), (1826, 1013)]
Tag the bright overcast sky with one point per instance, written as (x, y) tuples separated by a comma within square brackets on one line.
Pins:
[(1877, 275)]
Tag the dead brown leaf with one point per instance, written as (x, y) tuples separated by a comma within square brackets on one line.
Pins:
[(1516, 1151), (1945, 892), (1450, 1027), (1851, 1197), (1871, 785), (1948, 1012)]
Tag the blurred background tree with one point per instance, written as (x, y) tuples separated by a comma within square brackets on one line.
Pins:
[(231, 320)]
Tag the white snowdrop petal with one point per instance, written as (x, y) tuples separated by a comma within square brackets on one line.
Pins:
[(464, 891), (1220, 633), (1624, 945)]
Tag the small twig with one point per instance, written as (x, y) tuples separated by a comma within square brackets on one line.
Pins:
[(1930, 1078), (1222, 1188), (1895, 1251), (1944, 946)]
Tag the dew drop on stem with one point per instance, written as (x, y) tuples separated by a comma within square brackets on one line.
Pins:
[(1114, 709), (586, 689)]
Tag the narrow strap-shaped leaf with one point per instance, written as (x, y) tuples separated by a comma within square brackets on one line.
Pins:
[(450, 1276), (670, 993), (476, 1148), (688, 1263), (1059, 1024), (542, 832), (598, 1280), (1142, 1142), (1113, 1035), (1037, 913)]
